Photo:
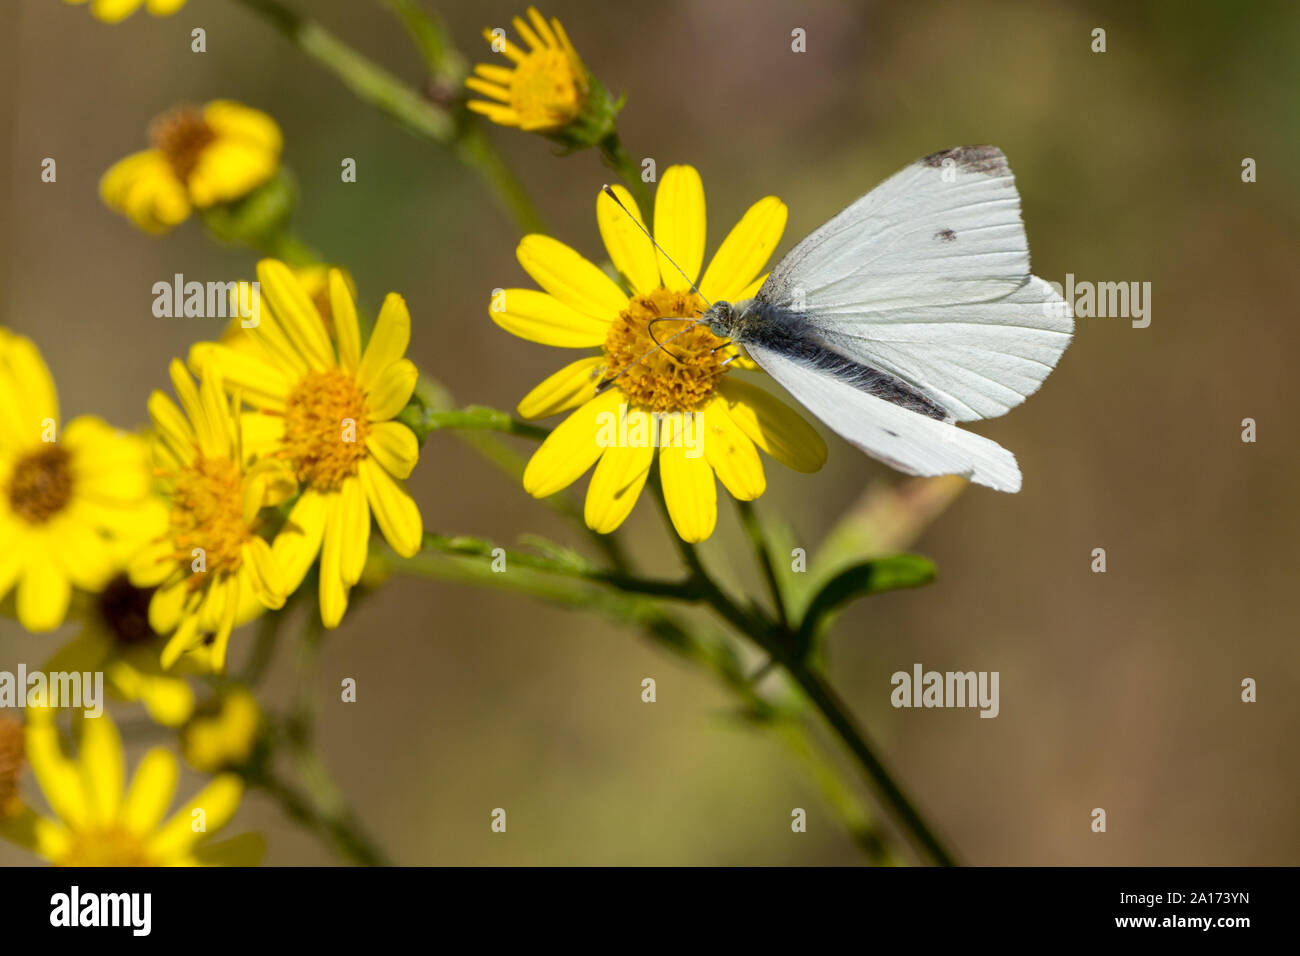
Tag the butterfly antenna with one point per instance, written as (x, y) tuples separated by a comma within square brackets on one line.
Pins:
[(609, 191), (606, 383)]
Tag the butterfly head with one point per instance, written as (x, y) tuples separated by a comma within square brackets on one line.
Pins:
[(722, 319)]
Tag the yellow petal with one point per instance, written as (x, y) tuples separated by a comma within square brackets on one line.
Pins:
[(356, 530), (173, 428), (218, 800), (103, 768), (185, 638), (539, 317), (744, 252), (388, 395), (615, 486), (59, 778), (169, 700), (237, 121), (689, 489), (346, 328), (773, 426), (570, 277), (144, 188), (393, 507), (393, 445), (229, 169), (573, 446), (680, 226), (151, 792), (628, 244), (33, 384), (295, 313), (388, 342), (265, 575), (43, 592), (263, 384), (333, 592), (167, 605), (298, 542), (568, 388), (730, 453), (494, 90)]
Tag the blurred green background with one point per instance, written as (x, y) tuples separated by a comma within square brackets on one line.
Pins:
[(1118, 690)]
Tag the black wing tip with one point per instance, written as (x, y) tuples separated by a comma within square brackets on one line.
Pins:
[(988, 160)]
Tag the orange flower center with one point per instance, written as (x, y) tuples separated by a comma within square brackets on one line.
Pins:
[(106, 846), (182, 135), (11, 764), (325, 428), (547, 90), (681, 376), (208, 513), (41, 484)]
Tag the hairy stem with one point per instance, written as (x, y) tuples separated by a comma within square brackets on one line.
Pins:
[(414, 112)]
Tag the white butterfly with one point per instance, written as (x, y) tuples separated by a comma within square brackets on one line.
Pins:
[(912, 309)]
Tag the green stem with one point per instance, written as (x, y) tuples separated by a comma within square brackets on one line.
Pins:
[(616, 157), (340, 831), (375, 85), (330, 810), (758, 539), (837, 715), (779, 644), (477, 548)]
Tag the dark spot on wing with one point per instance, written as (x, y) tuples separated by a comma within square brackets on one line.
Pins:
[(977, 159), (945, 235), (891, 434)]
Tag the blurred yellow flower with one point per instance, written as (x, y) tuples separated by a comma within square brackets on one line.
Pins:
[(583, 307), (116, 638), (547, 87), (200, 157), (102, 823), (327, 408), (224, 733), (212, 570), (115, 11), (315, 281), (73, 501)]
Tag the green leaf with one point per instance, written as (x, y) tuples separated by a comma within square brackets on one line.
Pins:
[(258, 217), (859, 580)]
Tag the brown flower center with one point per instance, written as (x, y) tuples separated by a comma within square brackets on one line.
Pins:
[(681, 376), (11, 764), (325, 428), (41, 484), (125, 609), (181, 135)]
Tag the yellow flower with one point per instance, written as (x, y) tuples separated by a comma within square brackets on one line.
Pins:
[(224, 734), (315, 281), (115, 11), (328, 409), (117, 639), (548, 86), (102, 823), (73, 501), (212, 570), (200, 157), (582, 307), (11, 765)]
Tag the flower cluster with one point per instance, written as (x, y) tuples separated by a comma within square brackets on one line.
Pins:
[(281, 445)]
